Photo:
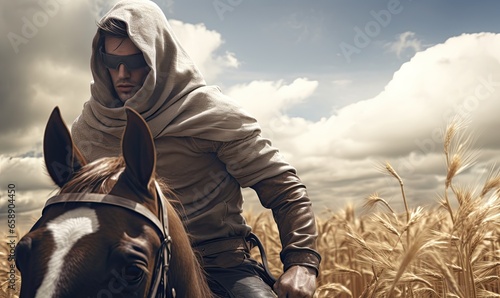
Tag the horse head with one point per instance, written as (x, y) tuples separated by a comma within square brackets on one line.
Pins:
[(107, 232)]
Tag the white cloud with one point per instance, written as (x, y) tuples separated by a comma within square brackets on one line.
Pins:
[(421, 97), (267, 99), (31, 183), (17, 169), (202, 44), (406, 40), (336, 156)]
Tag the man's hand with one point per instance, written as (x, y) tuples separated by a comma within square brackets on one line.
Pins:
[(296, 282)]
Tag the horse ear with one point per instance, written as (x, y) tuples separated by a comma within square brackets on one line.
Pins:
[(62, 158), (138, 150)]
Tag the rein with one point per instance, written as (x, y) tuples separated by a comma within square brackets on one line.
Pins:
[(159, 286)]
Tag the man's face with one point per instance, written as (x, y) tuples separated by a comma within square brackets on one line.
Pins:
[(125, 81)]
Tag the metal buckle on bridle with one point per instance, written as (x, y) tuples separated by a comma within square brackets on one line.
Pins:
[(167, 244)]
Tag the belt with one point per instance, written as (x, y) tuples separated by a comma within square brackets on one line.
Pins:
[(221, 245)]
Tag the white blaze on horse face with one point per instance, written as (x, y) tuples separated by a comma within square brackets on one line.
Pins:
[(66, 230)]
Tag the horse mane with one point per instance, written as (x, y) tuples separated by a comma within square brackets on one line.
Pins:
[(101, 175)]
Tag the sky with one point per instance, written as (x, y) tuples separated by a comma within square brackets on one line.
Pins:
[(340, 87)]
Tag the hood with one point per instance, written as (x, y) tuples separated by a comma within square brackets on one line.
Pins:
[(172, 72), (174, 100)]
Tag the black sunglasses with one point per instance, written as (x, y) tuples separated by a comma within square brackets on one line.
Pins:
[(134, 61)]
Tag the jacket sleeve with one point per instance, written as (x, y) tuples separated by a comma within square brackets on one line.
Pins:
[(286, 195), (255, 163)]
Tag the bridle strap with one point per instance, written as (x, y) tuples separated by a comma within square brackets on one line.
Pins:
[(159, 280), (108, 200), (164, 253)]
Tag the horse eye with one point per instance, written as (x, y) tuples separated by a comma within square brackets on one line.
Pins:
[(133, 274)]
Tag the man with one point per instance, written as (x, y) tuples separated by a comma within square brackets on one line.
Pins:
[(207, 147)]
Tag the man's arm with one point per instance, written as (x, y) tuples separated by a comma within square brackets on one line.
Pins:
[(287, 197), (255, 163)]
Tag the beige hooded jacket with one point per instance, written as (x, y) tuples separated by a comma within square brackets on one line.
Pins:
[(207, 146)]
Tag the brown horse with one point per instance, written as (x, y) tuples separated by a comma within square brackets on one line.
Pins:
[(108, 232)]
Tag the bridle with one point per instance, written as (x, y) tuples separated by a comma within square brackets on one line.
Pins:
[(159, 285)]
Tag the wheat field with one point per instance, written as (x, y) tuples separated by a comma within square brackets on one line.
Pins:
[(449, 251)]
